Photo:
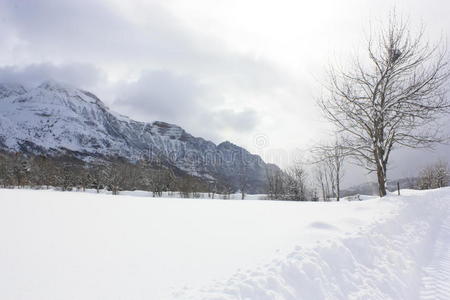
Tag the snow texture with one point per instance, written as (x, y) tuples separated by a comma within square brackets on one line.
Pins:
[(436, 281), (69, 245)]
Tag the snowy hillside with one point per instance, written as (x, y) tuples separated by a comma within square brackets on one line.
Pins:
[(68, 245), (54, 118)]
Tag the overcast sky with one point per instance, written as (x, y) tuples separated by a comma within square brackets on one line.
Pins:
[(247, 71)]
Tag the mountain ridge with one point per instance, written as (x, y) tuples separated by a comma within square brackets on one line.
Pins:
[(53, 118)]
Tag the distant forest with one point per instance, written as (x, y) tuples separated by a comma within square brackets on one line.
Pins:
[(116, 174)]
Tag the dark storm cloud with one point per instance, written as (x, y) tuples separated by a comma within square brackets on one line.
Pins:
[(78, 75)]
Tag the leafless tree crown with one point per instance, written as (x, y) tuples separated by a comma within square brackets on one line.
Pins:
[(392, 98)]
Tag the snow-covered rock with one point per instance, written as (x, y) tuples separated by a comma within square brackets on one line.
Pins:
[(55, 118)]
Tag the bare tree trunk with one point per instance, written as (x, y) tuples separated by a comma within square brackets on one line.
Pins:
[(338, 188), (381, 181), (380, 171)]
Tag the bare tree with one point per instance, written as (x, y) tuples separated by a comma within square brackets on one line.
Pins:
[(116, 176), (243, 179), (83, 177), (321, 175), (393, 98), (295, 183), (184, 186), (157, 176), (5, 171), (290, 184), (226, 191), (330, 167), (275, 184), (189, 186), (212, 189), (161, 180), (434, 176), (42, 171), (64, 177), (97, 175), (442, 174), (20, 168)]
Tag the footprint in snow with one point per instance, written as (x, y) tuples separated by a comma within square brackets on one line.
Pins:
[(322, 226)]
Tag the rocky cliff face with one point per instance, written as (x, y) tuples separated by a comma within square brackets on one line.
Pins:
[(57, 119)]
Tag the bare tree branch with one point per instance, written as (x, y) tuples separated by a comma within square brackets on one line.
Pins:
[(392, 98)]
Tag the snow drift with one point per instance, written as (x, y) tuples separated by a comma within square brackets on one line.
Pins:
[(85, 246)]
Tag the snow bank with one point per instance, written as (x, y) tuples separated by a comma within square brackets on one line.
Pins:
[(380, 261), (59, 245)]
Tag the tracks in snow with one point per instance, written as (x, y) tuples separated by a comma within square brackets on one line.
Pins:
[(436, 280)]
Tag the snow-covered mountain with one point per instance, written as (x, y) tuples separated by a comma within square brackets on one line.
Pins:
[(57, 119)]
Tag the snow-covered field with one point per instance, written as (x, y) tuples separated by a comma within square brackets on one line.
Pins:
[(69, 245)]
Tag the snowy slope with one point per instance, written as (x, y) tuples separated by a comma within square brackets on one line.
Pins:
[(86, 246), (55, 118)]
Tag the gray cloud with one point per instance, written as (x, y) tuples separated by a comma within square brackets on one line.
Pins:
[(181, 99), (244, 121), (72, 26), (71, 31), (161, 95), (93, 31), (79, 75)]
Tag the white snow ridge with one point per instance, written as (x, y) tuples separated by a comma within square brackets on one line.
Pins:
[(73, 245)]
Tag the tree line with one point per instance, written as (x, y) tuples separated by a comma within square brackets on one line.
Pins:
[(320, 177), (113, 174), (312, 181)]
